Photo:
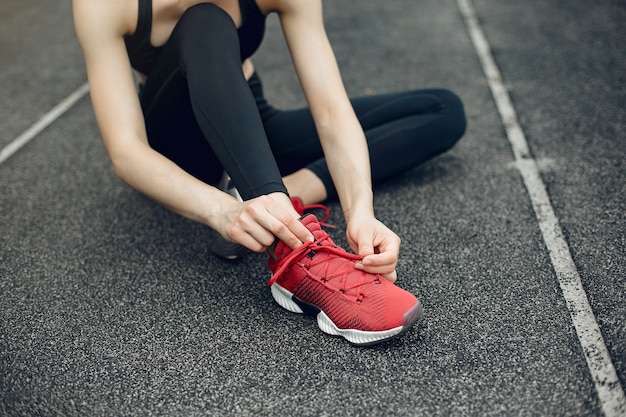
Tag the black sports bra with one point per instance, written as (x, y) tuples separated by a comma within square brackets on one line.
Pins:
[(143, 55)]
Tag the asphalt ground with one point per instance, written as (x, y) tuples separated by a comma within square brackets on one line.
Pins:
[(111, 305)]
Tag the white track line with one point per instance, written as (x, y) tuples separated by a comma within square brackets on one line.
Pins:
[(610, 391), (43, 123)]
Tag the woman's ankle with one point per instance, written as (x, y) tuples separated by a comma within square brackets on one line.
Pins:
[(306, 185)]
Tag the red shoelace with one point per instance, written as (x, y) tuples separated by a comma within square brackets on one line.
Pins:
[(343, 273), (301, 209)]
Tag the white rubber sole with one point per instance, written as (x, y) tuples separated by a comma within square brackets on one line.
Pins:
[(357, 337)]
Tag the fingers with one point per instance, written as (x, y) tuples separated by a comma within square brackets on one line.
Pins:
[(286, 226), (365, 248), (379, 248), (264, 219), (393, 276), (252, 236), (383, 263)]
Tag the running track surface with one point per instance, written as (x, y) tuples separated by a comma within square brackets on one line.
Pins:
[(514, 240)]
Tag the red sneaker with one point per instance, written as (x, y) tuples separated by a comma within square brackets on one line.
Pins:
[(319, 278)]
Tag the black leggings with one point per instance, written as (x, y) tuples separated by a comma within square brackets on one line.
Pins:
[(202, 114)]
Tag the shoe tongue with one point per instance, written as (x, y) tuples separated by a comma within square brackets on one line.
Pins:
[(314, 226), (335, 263)]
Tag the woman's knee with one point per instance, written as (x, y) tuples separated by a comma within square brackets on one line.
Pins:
[(208, 27), (455, 122), (206, 16)]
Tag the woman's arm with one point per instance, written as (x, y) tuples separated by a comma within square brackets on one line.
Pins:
[(339, 130), (341, 135), (100, 26)]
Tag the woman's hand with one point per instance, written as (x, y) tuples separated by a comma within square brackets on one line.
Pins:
[(340, 133), (256, 223), (378, 246)]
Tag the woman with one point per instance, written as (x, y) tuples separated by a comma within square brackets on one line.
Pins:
[(201, 113)]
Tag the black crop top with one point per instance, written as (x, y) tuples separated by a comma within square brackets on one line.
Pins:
[(143, 55)]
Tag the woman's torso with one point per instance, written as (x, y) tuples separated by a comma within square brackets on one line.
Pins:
[(155, 20)]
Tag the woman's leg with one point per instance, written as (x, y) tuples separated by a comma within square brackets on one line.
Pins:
[(402, 130), (198, 108)]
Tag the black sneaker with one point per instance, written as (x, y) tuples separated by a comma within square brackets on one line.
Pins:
[(217, 244)]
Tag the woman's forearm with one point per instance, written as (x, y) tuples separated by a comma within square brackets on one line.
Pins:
[(347, 158), (157, 177), (340, 132)]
